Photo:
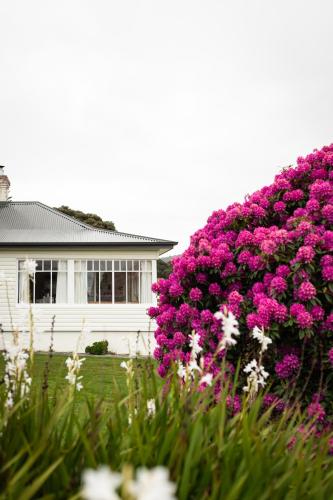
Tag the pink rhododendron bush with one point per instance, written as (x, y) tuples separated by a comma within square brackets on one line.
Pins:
[(266, 268)]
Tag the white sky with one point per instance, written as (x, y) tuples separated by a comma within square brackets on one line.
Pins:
[(155, 113)]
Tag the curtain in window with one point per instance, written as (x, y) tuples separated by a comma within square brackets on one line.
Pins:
[(145, 288), (24, 289), (81, 288), (61, 290)]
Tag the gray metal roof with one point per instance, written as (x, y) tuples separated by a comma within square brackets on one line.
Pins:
[(33, 223)]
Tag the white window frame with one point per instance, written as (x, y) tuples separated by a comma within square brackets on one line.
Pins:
[(114, 271), (51, 271)]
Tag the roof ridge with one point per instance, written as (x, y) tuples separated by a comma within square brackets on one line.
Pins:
[(64, 216)]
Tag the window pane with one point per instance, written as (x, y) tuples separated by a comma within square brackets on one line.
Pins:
[(93, 288), (129, 265), (77, 265), (109, 265), (54, 265), (106, 287), (96, 265), (62, 265), (133, 287), (47, 265), (25, 288), (116, 265), (43, 288), (80, 288), (39, 265), (21, 264), (59, 288), (102, 265), (146, 282), (123, 265), (120, 287), (136, 265), (90, 265)]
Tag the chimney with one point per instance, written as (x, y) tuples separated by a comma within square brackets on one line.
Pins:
[(4, 185)]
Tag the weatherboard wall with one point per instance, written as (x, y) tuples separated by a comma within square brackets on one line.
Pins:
[(127, 327)]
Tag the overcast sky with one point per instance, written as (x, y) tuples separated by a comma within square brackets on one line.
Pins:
[(155, 113)]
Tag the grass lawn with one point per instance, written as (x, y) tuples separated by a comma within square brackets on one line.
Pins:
[(102, 375)]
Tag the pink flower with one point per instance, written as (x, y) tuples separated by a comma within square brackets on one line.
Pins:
[(176, 290), (195, 294), (278, 285), (279, 206), (315, 410), (327, 273), (306, 291), (214, 289), (304, 320), (317, 313), (268, 246), (305, 254)]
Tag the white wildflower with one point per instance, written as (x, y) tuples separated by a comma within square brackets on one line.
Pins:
[(193, 366), (29, 266), (100, 484), (130, 419), (181, 372), (74, 364), (152, 484), (16, 378), (187, 371), (262, 338), (151, 407), (229, 328), (194, 343), (207, 379), (257, 377), (253, 365)]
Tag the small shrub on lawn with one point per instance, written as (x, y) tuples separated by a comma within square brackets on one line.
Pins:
[(98, 348)]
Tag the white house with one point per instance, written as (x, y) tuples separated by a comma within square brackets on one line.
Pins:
[(86, 278)]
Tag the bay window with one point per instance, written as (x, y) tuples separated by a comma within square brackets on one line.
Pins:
[(86, 281)]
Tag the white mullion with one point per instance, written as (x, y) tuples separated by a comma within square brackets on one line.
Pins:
[(126, 298), (51, 282), (99, 279), (112, 270), (139, 282), (70, 281)]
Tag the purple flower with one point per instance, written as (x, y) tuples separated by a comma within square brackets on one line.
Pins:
[(288, 366)]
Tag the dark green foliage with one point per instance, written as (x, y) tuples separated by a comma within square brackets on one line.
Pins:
[(163, 268), (99, 348), (91, 219)]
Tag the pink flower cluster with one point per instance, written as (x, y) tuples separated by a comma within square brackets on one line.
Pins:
[(268, 260), (288, 366)]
